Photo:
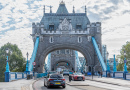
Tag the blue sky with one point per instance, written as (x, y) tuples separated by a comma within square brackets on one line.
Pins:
[(16, 17)]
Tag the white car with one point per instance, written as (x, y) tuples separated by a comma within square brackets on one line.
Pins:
[(65, 73)]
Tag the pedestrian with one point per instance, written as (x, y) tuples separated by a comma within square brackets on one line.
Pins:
[(98, 74), (101, 74), (70, 78)]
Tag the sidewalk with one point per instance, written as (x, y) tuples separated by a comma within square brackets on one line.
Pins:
[(113, 81), (17, 85)]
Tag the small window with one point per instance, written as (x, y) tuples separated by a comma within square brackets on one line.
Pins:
[(51, 39), (98, 29), (67, 51), (89, 38), (51, 27), (63, 51), (99, 46), (79, 39), (58, 51), (78, 27), (88, 29)]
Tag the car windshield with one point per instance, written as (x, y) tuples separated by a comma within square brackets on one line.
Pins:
[(77, 73), (56, 76)]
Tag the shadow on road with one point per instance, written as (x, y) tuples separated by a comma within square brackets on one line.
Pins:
[(54, 87)]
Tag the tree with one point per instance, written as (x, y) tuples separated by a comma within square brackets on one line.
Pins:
[(120, 57), (16, 60)]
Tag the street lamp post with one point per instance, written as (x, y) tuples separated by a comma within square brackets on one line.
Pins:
[(108, 66), (125, 67), (7, 68), (27, 64), (125, 61)]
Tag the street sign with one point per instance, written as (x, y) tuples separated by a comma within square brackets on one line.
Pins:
[(34, 63)]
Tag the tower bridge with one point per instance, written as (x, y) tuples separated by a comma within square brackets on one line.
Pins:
[(64, 30)]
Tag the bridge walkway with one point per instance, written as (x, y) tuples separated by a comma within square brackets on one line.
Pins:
[(107, 80), (22, 84)]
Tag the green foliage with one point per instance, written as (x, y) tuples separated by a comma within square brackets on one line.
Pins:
[(16, 61), (120, 57)]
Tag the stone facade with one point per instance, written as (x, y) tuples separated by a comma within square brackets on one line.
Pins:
[(64, 57), (64, 30)]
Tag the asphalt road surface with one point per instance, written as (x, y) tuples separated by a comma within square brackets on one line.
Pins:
[(39, 85)]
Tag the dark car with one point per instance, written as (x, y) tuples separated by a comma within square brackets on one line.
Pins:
[(54, 80)]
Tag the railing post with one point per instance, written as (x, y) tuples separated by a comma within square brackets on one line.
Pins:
[(114, 74), (106, 73), (15, 75), (124, 75), (7, 76), (22, 75)]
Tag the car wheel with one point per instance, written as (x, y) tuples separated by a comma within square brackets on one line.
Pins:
[(63, 86), (48, 86)]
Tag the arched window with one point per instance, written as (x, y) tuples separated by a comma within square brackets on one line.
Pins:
[(98, 29), (79, 39), (51, 39), (89, 38)]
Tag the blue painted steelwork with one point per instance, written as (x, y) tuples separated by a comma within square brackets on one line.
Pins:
[(49, 62), (99, 54), (7, 66), (45, 67), (27, 66), (39, 75), (77, 61), (108, 66), (125, 67), (34, 54), (114, 65), (7, 72), (83, 65)]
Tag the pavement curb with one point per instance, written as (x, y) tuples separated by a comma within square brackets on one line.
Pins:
[(36, 81), (105, 82)]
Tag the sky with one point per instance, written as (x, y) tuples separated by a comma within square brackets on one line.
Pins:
[(16, 17)]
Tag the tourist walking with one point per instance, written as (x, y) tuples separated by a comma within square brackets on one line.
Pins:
[(70, 78), (101, 74), (98, 74)]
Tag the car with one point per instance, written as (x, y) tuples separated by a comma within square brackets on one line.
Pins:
[(65, 72), (78, 76), (54, 80)]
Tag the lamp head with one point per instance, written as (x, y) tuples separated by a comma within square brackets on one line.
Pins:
[(124, 53), (7, 50)]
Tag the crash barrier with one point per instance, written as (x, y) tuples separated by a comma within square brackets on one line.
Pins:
[(70, 72), (127, 76), (17, 75), (40, 75), (118, 74)]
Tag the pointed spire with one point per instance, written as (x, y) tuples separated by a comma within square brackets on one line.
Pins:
[(50, 9), (62, 2), (73, 9), (44, 9)]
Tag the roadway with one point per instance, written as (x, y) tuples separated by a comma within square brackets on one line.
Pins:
[(39, 85), (81, 85)]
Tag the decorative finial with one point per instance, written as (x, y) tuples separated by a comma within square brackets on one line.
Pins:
[(50, 9), (73, 9), (62, 2), (85, 9), (44, 9)]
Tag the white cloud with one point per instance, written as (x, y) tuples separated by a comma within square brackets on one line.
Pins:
[(20, 14)]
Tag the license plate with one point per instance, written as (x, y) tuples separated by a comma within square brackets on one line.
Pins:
[(57, 83)]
